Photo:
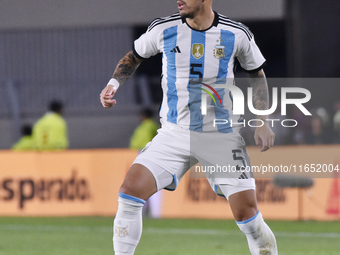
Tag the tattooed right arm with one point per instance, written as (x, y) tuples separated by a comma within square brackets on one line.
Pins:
[(126, 67)]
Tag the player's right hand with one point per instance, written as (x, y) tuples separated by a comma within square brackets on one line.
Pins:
[(106, 96)]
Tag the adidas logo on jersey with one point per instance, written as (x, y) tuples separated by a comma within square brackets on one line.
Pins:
[(176, 50), (243, 176)]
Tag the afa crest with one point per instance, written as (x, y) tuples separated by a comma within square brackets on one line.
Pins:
[(219, 51), (197, 50), (121, 231)]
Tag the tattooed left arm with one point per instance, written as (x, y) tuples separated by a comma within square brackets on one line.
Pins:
[(260, 91), (264, 136)]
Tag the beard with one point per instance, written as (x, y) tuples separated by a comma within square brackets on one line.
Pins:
[(189, 15)]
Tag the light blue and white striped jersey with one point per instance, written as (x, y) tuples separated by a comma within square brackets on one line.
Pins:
[(188, 55)]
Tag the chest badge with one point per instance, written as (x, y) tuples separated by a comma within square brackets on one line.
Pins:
[(197, 50), (219, 51)]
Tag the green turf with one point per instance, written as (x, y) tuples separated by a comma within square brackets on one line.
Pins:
[(92, 235)]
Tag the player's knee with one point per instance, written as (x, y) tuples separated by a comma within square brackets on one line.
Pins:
[(240, 216), (133, 189), (128, 189), (245, 213)]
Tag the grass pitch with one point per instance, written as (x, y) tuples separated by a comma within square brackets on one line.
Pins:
[(93, 235)]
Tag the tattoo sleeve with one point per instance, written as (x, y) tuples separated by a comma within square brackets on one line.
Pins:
[(260, 91), (126, 67)]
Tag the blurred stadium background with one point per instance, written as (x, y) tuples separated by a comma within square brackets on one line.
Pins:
[(67, 50)]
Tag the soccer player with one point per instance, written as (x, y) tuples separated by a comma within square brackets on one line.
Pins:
[(196, 43)]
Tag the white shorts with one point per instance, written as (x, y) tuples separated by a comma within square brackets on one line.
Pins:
[(222, 157)]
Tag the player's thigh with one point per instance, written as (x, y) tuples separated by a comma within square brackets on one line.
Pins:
[(243, 204), (167, 157), (223, 158), (225, 161), (139, 182)]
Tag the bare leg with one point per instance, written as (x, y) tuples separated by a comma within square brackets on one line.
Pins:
[(243, 204), (139, 184), (261, 239)]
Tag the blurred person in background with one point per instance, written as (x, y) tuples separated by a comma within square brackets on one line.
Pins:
[(50, 132), (26, 142), (143, 134), (303, 127), (319, 131), (145, 131), (336, 122)]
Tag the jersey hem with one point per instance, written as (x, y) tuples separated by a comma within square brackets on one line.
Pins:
[(257, 69), (136, 53)]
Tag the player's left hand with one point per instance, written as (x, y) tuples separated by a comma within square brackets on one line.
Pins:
[(264, 137)]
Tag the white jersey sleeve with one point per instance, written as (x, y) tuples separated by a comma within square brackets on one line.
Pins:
[(249, 55), (147, 45)]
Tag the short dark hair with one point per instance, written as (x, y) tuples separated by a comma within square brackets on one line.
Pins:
[(147, 112), (56, 106), (26, 130)]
